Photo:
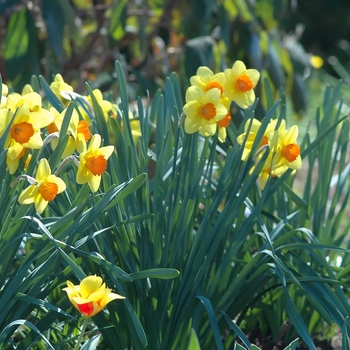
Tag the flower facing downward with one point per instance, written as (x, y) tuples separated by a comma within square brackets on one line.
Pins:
[(45, 189), (240, 83), (90, 296), (93, 163)]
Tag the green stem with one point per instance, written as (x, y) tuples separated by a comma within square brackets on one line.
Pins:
[(82, 333)]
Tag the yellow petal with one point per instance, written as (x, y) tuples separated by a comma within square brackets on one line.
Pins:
[(109, 297), (193, 93), (191, 125), (238, 67), (27, 195), (40, 203), (106, 151), (90, 285), (94, 182), (43, 170)]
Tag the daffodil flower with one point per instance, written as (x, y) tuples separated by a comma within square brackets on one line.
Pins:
[(90, 296), (205, 79), (25, 128), (286, 149), (93, 163), (78, 130), (45, 188), (225, 122), (203, 110), (13, 156), (240, 83), (252, 132), (59, 85)]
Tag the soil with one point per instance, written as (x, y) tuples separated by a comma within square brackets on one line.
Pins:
[(267, 343)]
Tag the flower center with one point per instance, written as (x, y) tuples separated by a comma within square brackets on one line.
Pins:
[(51, 128), (291, 152), (22, 132), (207, 111), (83, 128), (224, 123), (243, 83), (264, 141), (215, 84), (86, 309), (97, 164), (48, 190)]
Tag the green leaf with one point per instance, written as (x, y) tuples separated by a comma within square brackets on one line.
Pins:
[(293, 345), (161, 273), (212, 320), (53, 99), (21, 56), (239, 347), (194, 342), (119, 16), (54, 17), (22, 323), (237, 330), (92, 343)]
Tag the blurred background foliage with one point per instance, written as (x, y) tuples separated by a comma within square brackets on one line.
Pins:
[(82, 39)]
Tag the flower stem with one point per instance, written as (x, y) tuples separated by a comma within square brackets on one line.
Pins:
[(82, 333)]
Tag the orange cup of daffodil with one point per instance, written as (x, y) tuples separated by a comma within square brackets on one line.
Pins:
[(90, 296)]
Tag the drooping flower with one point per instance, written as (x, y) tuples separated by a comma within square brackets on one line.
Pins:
[(90, 296), (252, 132), (240, 84), (205, 79), (203, 110), (47, 186), (93, 163)]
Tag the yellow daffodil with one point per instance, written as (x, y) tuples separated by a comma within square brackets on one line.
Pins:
[(135, 129), (13, 156), (27, 88), (316, 61), (4, 90), (93, 163), (26, 126), (4, 93), (205, 79), (286, 149), (59, 85), (240, 83), (45, 189), (78, 130), (224, 123), (108, 108), (32, 99), (252, 132), (90, 296), (203, 110)]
